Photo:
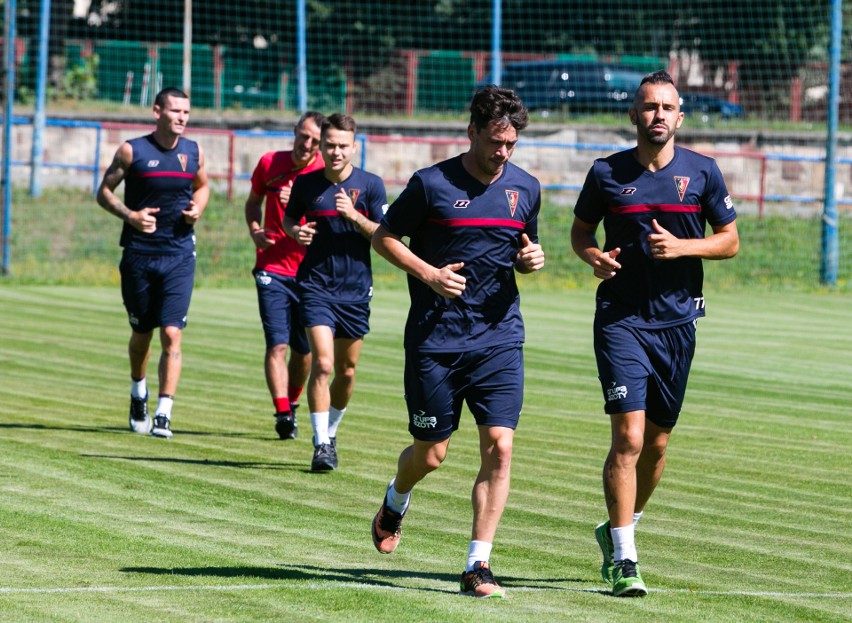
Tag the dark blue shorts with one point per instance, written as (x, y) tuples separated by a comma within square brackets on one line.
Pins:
[(489, 380), (347, 320), (278, 300), (644, 369), (156, 289)]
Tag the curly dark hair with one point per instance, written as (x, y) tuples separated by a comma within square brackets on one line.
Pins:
[(493, 103)]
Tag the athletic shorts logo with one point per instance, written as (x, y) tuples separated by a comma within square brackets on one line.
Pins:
[(512, 198), (421, 420), (628, 191), (616, 392), (183, 160), (353, 195), (461, 203), (681, 183), (263, 278)]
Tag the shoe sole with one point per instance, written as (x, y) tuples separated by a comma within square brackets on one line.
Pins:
[(322, 467), (161, 434), (632, 591), (501, 594), (377, 541), (148, 425)]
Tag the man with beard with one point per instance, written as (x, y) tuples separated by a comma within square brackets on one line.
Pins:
[(655, 201)]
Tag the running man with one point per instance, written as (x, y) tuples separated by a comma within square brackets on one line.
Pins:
[(655, 202)]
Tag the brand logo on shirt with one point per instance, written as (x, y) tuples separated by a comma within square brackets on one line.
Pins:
[(728, 203), (153, 163), (353, 195), (628, 191), (681, 183), (616, 392), (512, 198), (183, 160), (461, 203), (421, 420)]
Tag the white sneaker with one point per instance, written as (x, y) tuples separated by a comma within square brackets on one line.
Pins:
[(140, 421), (162, 426)]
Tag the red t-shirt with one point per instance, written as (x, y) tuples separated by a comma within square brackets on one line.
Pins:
[(274, 171)]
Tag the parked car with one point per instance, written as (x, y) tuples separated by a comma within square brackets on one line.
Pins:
[(705, 106), (566, 86)]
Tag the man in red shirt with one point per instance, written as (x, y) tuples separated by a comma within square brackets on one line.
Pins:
[(278, 258)]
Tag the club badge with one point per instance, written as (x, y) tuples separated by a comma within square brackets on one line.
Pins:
[(681, 183), (512, 198), (182, 159)]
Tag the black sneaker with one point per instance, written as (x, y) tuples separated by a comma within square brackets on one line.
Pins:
[(479, 582), (325, 458), (140, 421), (162, 427), (286, 425)]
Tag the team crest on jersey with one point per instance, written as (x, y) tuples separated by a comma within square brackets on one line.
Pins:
[(512, 198), (183, 160), (353, 195), (681, 183)]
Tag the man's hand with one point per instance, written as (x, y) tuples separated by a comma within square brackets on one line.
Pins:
[(664, 245), (605, 265), (143, 220), (284, 193), (530, 256), (447, 282), (343, 204), (306, 233), (192, 213)]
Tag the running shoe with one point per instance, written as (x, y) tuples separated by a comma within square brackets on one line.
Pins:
[(604, 539), (286, 425), (140, 421), (627, 581), (387, 529), (480, 583), (325, 458), (162, 427)]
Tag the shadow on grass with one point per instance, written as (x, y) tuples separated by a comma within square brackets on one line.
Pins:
[(211, 463), (125, 429), (395, 578)]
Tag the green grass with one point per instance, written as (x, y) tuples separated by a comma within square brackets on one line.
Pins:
[(65, 238), (752, 521)]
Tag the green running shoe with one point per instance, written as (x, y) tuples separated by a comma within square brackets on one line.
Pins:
[(604, 539), (627, 581)]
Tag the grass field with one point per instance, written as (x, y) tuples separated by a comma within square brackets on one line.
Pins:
[(752, 521)]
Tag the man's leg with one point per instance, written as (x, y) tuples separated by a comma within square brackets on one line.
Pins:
[(491, 489), (321, 339), (652, 461), (169, 373), (139, 350)]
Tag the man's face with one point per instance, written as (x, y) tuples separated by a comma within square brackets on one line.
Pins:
[(492, 146), (338, 147), (306, 142), (656, 113), (173, 115)]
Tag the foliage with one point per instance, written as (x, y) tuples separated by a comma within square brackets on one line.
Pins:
[(80, 80)]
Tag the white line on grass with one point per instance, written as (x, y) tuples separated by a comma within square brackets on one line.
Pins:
[(384, 587)]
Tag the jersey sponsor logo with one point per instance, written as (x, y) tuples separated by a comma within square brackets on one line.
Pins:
[(630, 190), (681, 183), (512, 198), (421, 420), (182, 158), (353, 195), (616, 392), (729, 204), (461, 203), (153, 164)]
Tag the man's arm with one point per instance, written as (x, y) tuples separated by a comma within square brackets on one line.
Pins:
[(722, 244), (143, 219), (200, 192), (445, 281), (585, 245), (254, 220)]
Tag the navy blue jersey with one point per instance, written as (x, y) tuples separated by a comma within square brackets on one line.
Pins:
[(684, 196), (161, 178), (337, 262), (451, 217)]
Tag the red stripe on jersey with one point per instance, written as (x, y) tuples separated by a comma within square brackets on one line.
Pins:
[(655, 207), (166, 174), (478, 222), (329, 213)]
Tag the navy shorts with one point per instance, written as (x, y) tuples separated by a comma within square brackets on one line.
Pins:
[(489, 380), (156, 289), (278, 300), (644, 369), (347, 320)]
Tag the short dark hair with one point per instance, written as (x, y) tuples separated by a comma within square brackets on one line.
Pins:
[(338, 121), (175, 92), (493, 103), (317, 117), (657, 77)]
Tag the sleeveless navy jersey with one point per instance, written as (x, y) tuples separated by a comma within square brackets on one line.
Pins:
[(684, 196), (161, 178), (337, 262), (451, 217)]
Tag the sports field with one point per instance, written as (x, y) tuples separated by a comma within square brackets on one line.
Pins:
[(752, 522)]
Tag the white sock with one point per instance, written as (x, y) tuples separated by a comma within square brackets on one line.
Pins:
[(624, 544), (334, 417), (398, 502), (138, 389), (479, 551), (319, 422), (637, 517), (164, 406)]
